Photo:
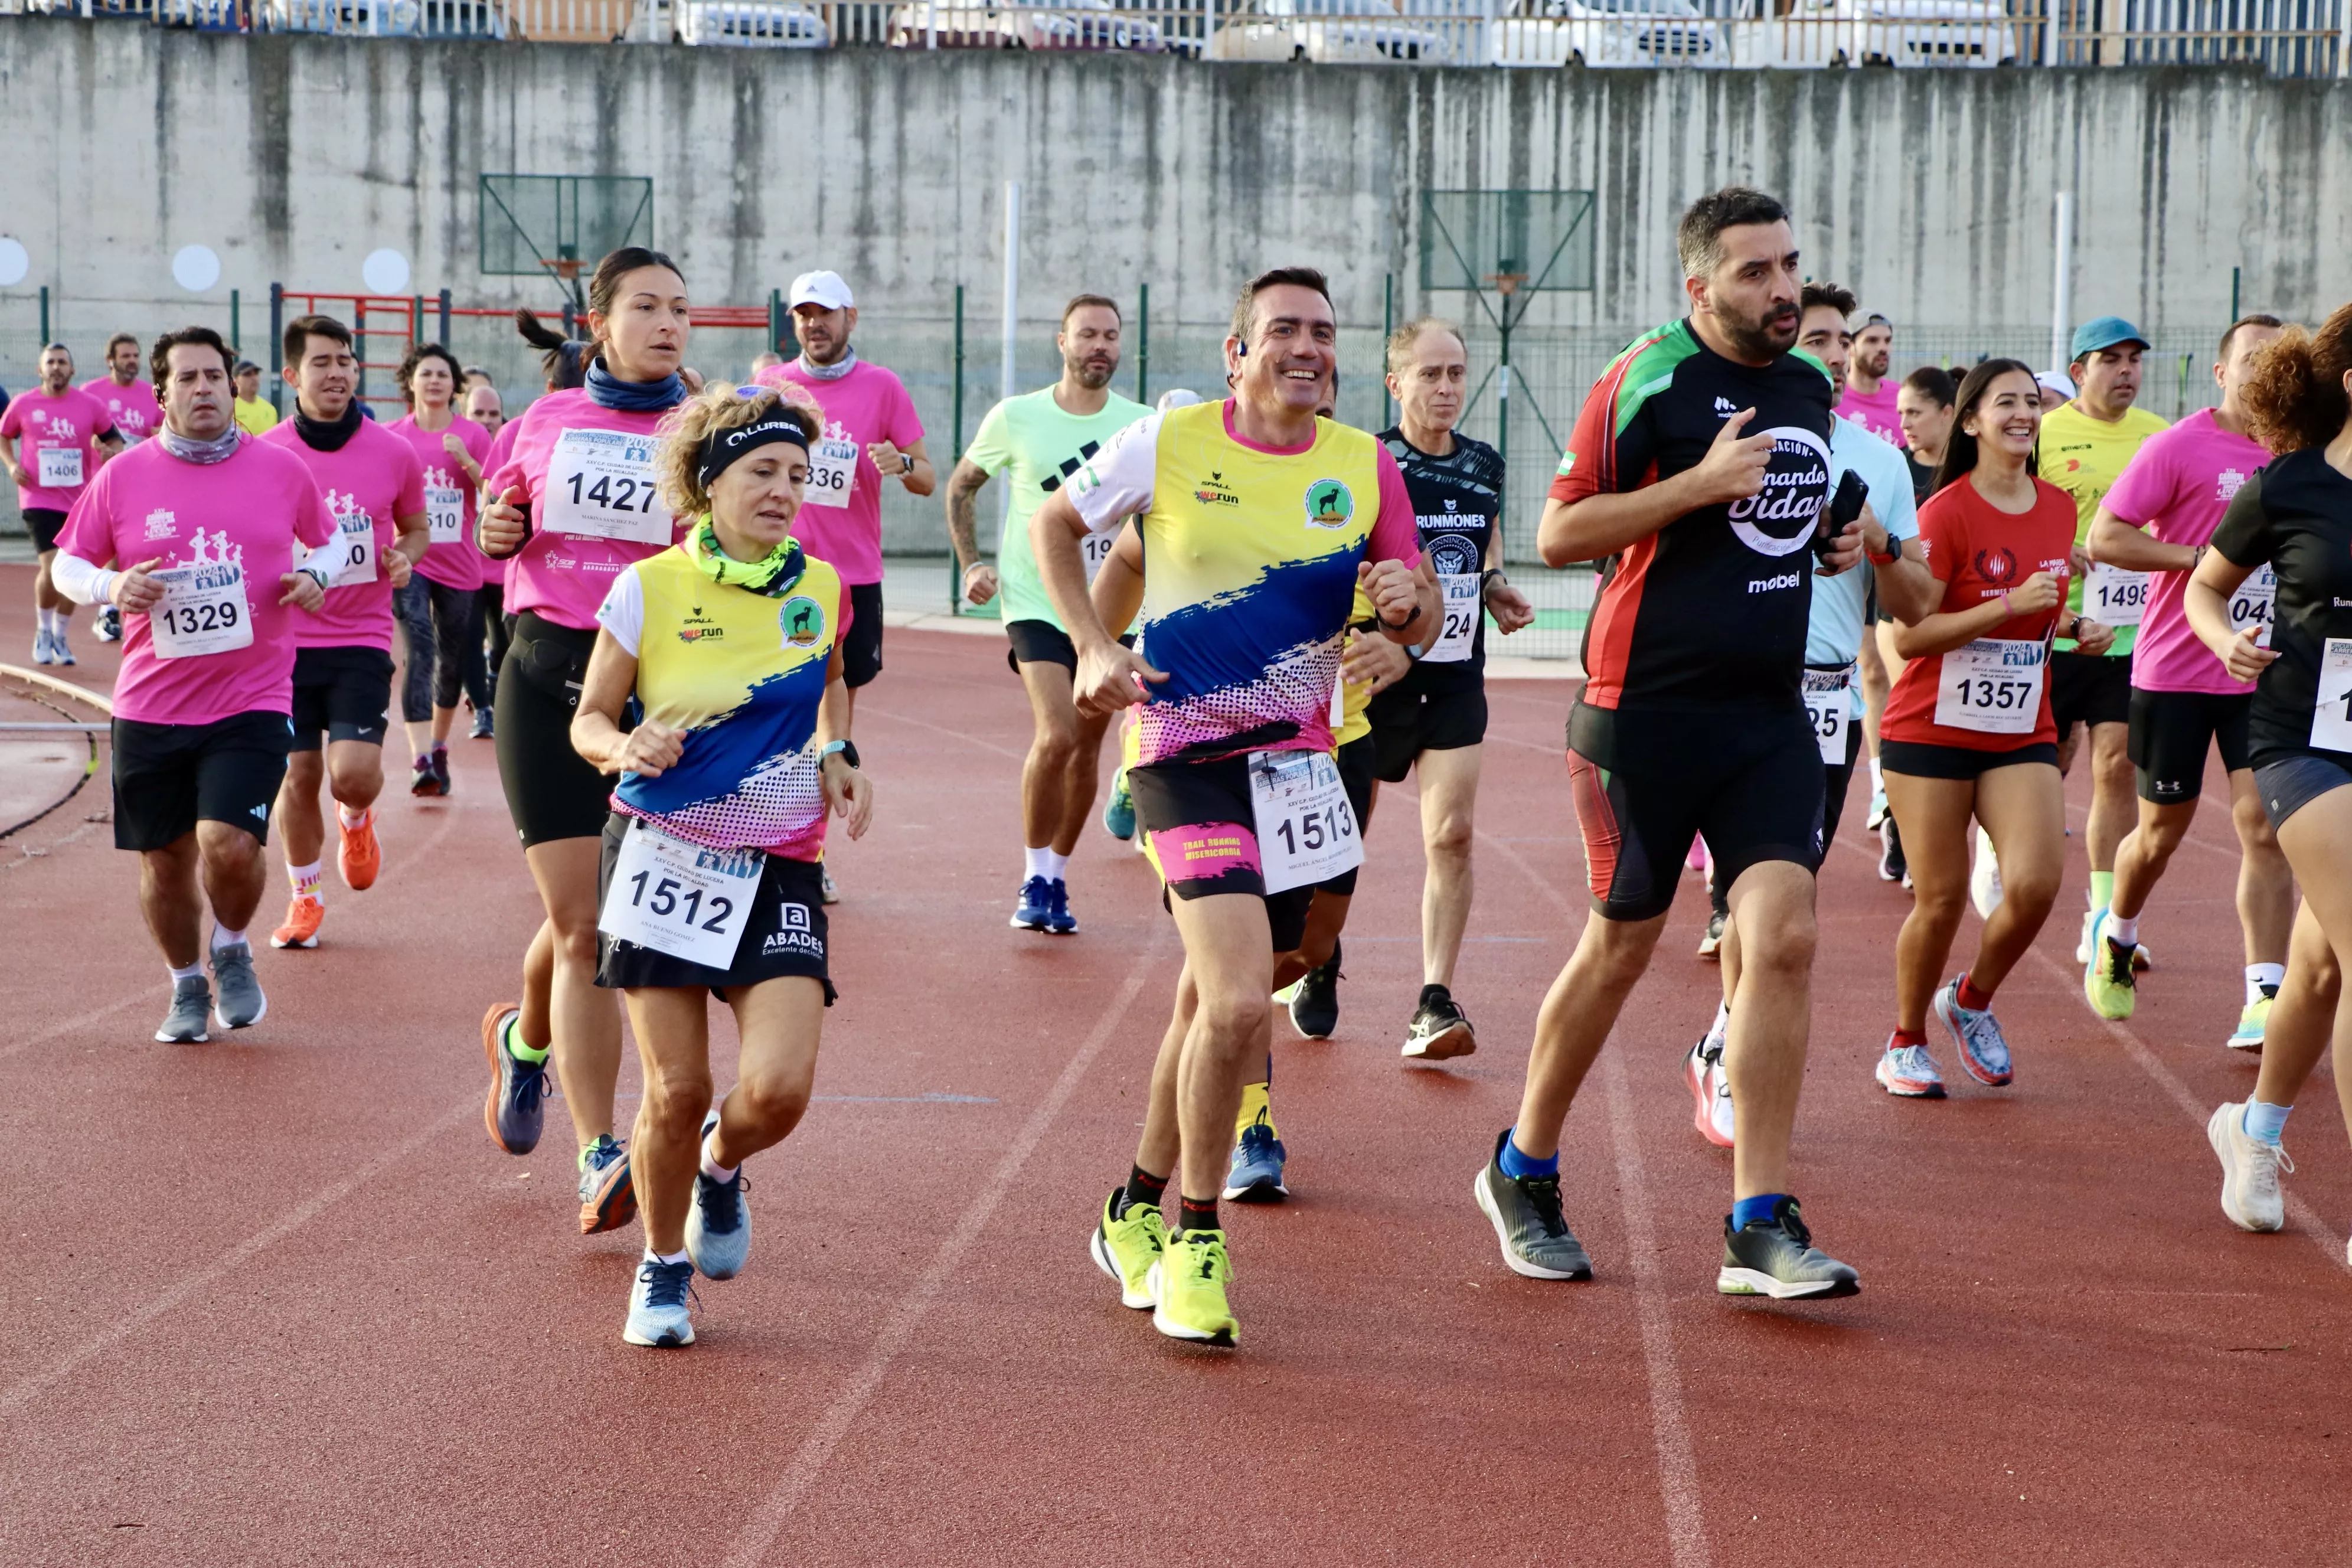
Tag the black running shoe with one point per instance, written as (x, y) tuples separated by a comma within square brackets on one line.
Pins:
[(1776, 1257), (1439, 1029), (1892, 866), (1314, 1000)]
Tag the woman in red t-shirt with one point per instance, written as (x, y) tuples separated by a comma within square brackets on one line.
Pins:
[(1967, 730)]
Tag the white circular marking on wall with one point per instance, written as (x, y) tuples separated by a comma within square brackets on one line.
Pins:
[(384, 272), (195, 268), (14, 263)]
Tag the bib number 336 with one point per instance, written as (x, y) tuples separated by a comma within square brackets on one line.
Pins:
[(680, 899)]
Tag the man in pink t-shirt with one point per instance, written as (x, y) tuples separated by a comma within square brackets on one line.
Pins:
[(342, 658), (871, 435), (1870, 394), (2157, 518), (53, 440), (129, 396), (196, 537)]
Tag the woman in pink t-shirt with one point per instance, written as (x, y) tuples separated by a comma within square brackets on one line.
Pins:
[(440, 606), (578, 502), (52, 439)]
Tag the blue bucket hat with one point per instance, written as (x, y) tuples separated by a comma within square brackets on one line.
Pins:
[(2106, 332)]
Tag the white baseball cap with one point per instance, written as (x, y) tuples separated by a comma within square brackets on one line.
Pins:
[(823, 290)]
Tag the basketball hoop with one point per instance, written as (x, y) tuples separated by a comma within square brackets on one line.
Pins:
[(1507, 283), (565, 267)]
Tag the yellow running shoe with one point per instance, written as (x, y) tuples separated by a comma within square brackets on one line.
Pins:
[(2251, 1023), (1128, 1249), (2108, 979), (1188, 1284)]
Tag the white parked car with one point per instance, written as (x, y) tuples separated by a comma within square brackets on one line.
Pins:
[(1552, 33), (751, 24), (1334, 32), (1875, 33), (1021, 25)]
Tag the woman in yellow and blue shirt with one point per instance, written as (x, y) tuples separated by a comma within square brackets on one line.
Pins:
[(732, 640)]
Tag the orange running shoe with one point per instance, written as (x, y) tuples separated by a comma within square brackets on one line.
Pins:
[(359, 857), (301, 927)]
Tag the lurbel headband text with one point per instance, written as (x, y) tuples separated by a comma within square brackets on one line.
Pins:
[(722, 448)]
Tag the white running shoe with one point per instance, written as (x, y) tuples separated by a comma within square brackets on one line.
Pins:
[(1984, 882), (1909, 1072), (2250, 1172), (1710, 1089)]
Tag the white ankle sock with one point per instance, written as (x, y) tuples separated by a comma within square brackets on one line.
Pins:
[(194, 971), (2121, 931), (673, 1260), (223, 937), (305, 878), (347, 816), (1044, 863), (1877, 778), (712, 1168), (2260, 974)]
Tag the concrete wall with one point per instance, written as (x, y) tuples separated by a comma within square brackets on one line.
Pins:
[(1930, 191)]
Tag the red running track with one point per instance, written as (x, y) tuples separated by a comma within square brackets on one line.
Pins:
[(278, 1300)]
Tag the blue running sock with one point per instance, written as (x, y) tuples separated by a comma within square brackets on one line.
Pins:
[(1522, 1167), (2267, 1123), (1747, 1211)]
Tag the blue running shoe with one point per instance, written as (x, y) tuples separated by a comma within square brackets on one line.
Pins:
[(1058, 917), (608, 1197), (1984, 1052), (1119, 812), (517, 1088), (1036, 906), (1257, 1173), (658, 1313), (718, 1226)]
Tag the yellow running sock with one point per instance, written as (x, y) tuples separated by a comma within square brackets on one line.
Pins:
[(1256, 1101)]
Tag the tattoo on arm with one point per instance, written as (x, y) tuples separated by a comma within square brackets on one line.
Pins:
[(963, 491)]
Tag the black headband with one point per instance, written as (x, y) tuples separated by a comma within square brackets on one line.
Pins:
[(722, 448)]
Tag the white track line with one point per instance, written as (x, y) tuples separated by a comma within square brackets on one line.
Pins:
[(767, 1521), (2176, 1089), (1669, 1425), (943, 730), (260, 1241)]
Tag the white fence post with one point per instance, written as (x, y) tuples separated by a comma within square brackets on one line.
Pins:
[(2060, 304)]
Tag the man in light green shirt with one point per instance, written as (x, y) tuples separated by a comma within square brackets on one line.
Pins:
[(1041, 438)]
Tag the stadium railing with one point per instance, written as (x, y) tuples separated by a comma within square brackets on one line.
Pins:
[(2286, 37)]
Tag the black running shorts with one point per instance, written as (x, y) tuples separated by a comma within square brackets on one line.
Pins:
[(342, 693), (785, 935), (1754, 790), (44, 524), (1406, 723), (861, 651), (2173, 732), (2087, 689), (1203, 835), (552, 792), (169, 778), (1925, 759), (1043, 642)]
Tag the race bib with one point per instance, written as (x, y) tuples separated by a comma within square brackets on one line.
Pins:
[(2255, 603), (444, 513), (1831, 709), (599, 484), (680, 899), (1306, 829), (203, 610), (1460, 597), (57, 467), (833, 475), (2113, 596), (1992, 686), (2331, 715), (355, 537), (1096, 549)]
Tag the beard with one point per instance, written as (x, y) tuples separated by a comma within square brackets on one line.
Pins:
[(1764, 337), (1092, 374), (1874, 365)]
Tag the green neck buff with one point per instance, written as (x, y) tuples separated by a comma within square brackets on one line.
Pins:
[(772, 575)]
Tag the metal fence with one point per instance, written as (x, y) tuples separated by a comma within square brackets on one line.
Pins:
[(2287, 37)]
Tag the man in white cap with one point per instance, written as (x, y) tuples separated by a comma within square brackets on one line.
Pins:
[(871, 435)]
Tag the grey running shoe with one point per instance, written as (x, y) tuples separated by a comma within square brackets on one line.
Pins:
[(192, 999), (718, 1225), (2250, 1172), (1776, 1257), (241, 1001), (1525, 1211)]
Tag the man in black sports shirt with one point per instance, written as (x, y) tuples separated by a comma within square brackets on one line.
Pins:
[(1700, 466), (1429, 704)]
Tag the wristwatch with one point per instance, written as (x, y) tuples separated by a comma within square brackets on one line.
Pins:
[(1878, 559), (847, 750), (905, 466)]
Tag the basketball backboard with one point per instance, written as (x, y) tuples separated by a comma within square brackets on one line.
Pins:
[(558, 225), (1511, 242)]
